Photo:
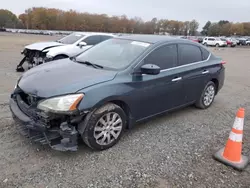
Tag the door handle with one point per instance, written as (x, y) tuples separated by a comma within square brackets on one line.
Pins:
[(205, 72), (176, 79)]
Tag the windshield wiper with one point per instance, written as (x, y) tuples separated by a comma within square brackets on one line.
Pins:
[(87, 63)]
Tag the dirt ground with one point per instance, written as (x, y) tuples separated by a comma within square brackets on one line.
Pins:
[(173, 150)]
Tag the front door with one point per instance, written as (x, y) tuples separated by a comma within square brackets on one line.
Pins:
[(154, 94)]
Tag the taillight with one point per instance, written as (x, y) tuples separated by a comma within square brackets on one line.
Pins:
[(223, 62)]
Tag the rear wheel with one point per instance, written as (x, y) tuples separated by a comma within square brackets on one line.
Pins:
[(217, 45), (207, 97), (104, 127)]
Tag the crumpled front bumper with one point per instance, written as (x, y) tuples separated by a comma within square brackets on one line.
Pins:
[(63, 138)]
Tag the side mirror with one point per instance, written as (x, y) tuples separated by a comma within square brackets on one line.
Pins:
[(150, 69), (81, 44)]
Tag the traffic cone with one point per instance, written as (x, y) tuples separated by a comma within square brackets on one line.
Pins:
[(231, 153)]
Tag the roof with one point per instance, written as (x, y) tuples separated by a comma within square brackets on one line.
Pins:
[(149, 38), (94, 33)]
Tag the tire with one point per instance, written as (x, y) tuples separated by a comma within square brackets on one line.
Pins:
[(60, 57), (205, 44), (217, 45), (92, 127), (200, 102)]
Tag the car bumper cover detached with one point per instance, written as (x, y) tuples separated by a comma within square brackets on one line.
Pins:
[(62, 138)]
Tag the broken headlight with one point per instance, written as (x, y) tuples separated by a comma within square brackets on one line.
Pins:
[(65, 103)]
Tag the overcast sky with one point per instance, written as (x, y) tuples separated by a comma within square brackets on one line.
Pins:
[(200, 10)]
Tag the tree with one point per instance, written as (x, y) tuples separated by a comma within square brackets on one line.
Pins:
[(194, 25), (8, 19), (214, 29), (246, 26), (237, 29), (225, 29), (222, 22), (206, 28)]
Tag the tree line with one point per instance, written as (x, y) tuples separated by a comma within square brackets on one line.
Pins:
[(226, 28), (55, 19)]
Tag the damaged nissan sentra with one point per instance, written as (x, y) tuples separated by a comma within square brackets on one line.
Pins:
[(112, 86)]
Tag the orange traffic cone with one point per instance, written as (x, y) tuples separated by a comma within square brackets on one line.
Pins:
[(231, 153)]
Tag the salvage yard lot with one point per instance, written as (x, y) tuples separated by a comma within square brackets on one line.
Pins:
[(173, 150)]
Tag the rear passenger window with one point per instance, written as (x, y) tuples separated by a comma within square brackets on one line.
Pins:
[(205, 54), (189, 54), (212, 39), (165, 57)]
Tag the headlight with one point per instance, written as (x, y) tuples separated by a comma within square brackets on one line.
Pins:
[(49, 56), (65, 103)]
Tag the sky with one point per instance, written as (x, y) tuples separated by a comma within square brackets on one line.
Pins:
[(202, 11)]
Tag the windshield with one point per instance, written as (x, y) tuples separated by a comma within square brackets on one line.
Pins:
[(70, 39), (113, 53), (223, 39)]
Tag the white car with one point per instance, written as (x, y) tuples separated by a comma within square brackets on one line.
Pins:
[(85, 42), (214, 41), (68, 46), (248, 42)]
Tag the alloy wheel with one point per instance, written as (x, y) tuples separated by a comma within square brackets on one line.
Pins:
[(108, 128), (209, 95)]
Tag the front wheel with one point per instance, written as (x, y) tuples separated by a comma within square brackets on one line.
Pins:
[(207, 97), (104, 127)]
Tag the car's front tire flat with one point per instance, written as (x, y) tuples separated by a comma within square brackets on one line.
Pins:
[(207, 97), (104, 127)]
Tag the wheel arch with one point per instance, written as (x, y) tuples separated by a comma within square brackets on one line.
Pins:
[(216, 82), (64, 55), (125, 108), (121, 103)]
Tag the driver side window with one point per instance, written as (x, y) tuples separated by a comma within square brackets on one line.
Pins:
[(92, 40), (165, 57)]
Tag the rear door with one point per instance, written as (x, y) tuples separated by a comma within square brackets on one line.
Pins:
[(194, 72)]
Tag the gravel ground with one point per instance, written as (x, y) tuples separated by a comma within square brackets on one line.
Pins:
[(173, 150)]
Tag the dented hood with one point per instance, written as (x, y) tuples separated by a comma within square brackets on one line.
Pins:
[(62, 77), (43, 45)]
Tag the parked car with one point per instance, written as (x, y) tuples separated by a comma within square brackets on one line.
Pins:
[(194, 39), (200, 39), (113, 86), (214, 41), (68, 46), (241, 41), (230, 42), (74, 49), (248, 41), (2, 29)]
